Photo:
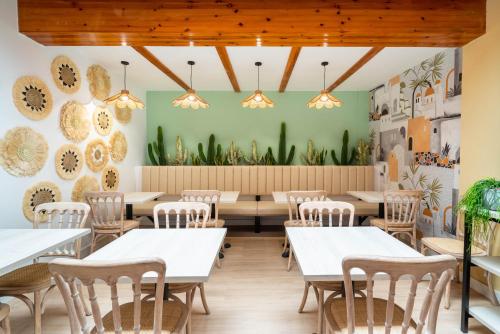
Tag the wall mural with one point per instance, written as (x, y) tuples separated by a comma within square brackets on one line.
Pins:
[(415, 117)]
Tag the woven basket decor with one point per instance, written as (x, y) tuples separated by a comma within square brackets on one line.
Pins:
[(103, 120), (74, 121), (43, 192), (118, 146), (99, 82), (23, 152), (123, 115), (66, 74), (69, 161), (96, 155), (110, 178), (32, 97), (82, 185)]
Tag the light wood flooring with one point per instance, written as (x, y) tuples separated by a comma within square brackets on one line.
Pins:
[(251, 293)]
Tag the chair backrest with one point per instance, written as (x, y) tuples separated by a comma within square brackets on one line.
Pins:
[(295, 198), (107, 208), (402, 206), (195, 213), (62, 215), (312, 212), (434, 271), (210, 197), (68, 271)]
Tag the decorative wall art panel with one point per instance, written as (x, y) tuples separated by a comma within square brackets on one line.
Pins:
[(96, 155), (103, 120), (82, 185), (118, 146), (43, 192), (99, 82), (66, 74), (74, 121), (32, 97), (69, 161), (110, 178)]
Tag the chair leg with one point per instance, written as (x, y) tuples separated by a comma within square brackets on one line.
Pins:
[(204, 298), (285, 244), (6, 325), (414, 239), (321, 322), (82, 298), (45, 296), (307, 285), (94, 241), (189, 305), (290, 256), (447, 296), (217, 261), (491, 288), (38, 311), (423, 250)]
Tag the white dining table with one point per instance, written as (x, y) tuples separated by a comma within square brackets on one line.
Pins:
[(376, 197), (138, 197), (19, 246), (319, 252), (229, 197)]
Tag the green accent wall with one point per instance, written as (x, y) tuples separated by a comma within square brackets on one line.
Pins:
[(228, 121)]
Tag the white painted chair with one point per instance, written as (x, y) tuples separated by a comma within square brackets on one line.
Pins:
[(158, 316), (34, 278), (210, 197), (376, 315)]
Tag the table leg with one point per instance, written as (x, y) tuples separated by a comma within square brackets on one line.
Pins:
[(381, 210), (165, 291), (257, 218), (129, 210), (321, 297), (464, 324)]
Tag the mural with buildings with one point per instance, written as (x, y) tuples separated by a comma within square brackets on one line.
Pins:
[(416, 119)]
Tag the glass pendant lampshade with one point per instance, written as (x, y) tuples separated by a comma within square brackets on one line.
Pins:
[(190, 99), (257, 99), (124, 99), (324, 99)]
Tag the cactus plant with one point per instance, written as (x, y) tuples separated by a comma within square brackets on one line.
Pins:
[(256, 158), (268, 158), (208, 159), (283, 159), (195, 160), (181, 154), (314, 157), (344, 159), (233, 154), (220, 158), (158, 147), (363, 152)]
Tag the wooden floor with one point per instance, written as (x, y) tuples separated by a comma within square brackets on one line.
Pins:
[(251, 293)]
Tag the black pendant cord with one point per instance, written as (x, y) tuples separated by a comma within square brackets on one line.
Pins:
[(258, 77), (125, 77), (324, 77), (191, 78)]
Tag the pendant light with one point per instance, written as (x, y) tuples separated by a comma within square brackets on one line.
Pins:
[(190, 99), (324, 99), (257, 99), (124, 99)]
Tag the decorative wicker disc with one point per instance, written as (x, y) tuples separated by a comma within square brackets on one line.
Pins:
[(82, 185), (118, 146), (69, 161), (96, 155), (32, 97), (123, 115), (99, 82), (103, 120), (110, 178), (74, 122), (23, 152), (65, 74), (43, 192)]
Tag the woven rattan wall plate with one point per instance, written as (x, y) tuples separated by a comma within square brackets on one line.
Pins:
[(23, 152), (118, 146), (43, 192), (96, 155), (103, 120), (123, 115), (69, 161), (99, 82), (66, 74), (110, 178), (74, 121), (32, 97), (82, 185)]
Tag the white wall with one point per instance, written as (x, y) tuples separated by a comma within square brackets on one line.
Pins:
[(20, 56)]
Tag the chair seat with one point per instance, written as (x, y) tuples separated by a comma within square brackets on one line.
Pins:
[(4, 311), (380, 223), (338, 285), (211, 223), (450, 246), (32, 277), (127, 226), (298, 223), (336, 316), (150, 288), (174, 317)]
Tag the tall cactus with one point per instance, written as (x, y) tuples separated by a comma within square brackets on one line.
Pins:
[(314, 157), (181, 154), (158, 147), (220, 157), (283, 159), (208, 159), (233, 154), (344, 159), (268, 158), (255, 157)]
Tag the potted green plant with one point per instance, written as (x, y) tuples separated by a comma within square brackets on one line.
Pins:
[(477, 216)]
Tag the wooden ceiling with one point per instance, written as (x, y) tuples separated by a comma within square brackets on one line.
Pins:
[(298, 23)]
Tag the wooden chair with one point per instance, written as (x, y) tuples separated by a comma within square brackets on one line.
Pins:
[(107, 215), (376, 315), (196, 215), (210, 197), (158, 316), (294, 199), (4, 318), (35, 278), (401, 209), (455, 248)]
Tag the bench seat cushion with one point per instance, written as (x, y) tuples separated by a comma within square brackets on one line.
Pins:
[(240, 208), (269, 208)]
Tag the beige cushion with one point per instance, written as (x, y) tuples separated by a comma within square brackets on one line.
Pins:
[(298, 223), (145, 209), (450, 246), (380, 223), (4, 311), (269, 208), (336, 315), (211, 223), (33, 276), (240, 208)]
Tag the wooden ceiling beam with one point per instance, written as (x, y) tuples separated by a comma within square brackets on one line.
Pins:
[(226, 62), (156, 62), (354, 68), (241, 22), (290, 64)]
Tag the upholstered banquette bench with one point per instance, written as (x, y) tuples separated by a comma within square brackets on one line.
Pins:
[(256, 184)]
